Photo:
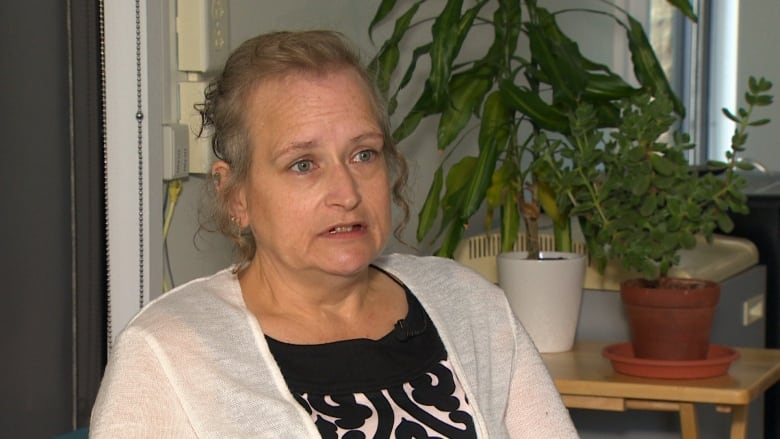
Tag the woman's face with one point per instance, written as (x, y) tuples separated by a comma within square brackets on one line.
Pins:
[(317, 197)]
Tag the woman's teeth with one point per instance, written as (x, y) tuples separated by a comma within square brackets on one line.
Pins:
[(342, 229)]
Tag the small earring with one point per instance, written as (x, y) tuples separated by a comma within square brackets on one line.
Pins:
[(237, 224)]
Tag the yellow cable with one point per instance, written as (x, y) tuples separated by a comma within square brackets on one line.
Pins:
[(174, 189)]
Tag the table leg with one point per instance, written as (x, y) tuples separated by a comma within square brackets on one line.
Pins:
[(688, 425), (739, 422)]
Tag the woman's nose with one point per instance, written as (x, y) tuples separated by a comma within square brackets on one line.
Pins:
[(343, 188)]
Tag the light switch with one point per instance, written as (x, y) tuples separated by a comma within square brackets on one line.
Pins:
[(752, 310)]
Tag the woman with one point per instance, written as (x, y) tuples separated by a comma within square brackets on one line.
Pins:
[(315, 332)]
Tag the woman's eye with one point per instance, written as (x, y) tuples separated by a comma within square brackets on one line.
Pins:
[(365, 156), (302, 166)]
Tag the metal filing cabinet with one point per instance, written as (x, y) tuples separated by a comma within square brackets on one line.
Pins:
[(762, 226)]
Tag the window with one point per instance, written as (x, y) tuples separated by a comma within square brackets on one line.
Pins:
[(700, 61)]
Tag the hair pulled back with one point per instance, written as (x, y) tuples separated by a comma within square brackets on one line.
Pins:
[(270, 56)]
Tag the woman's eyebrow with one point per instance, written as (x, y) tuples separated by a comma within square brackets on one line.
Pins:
[(306, 146), (293, 148), (367, 136)]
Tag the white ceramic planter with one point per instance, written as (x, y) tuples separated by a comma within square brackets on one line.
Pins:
[(545, 295)]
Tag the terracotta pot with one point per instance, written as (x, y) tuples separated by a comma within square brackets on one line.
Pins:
[(671, 320)]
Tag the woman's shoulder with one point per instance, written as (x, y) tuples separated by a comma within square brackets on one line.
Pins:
[(200, 299), (432, 267), (434, 278)]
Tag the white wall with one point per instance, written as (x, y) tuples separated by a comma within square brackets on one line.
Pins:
[(757, 55), (253, 17)]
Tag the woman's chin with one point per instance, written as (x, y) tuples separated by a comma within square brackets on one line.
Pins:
[(347, 263)]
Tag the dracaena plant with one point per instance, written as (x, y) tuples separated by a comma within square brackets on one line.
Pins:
[(520, 92), (639, 199)]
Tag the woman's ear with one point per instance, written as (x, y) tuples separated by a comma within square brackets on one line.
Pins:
[(220, 173)]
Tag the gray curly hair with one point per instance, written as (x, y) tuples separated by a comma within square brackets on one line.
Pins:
[(269, 56)]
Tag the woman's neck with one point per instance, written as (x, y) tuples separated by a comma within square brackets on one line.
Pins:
[(304, 309)]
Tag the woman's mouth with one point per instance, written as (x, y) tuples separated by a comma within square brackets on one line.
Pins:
[(345, 229)]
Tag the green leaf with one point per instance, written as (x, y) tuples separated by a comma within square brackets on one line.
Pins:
[(635, 154), (752, 84), (498, 184), (688, 240), (417, 53), (408, 125), (384, 67), (685, 7), (430, 209), (466, 94), (729, 115), (496, 120), (745, 166), (444, 49), (661, 164), (725, 223), (640, 184), (738, 139), (558, 57), (507, 23), (454, 182), (386, 60), (648, 205), (422, 108), (758, 85), (532, 106), (466, 22), (549, 203), (763, 100), (647, 68), (607, 115), (451, 240), (758, 123), (457, 178), (384, 9), (607, 87), (486, 163)]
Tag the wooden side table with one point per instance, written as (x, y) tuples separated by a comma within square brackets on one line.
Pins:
[(586, 380)]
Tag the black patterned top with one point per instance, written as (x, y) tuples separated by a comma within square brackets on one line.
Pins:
[(399, 386)]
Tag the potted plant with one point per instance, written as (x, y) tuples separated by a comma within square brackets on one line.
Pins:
[(640, 202), (520, 95)]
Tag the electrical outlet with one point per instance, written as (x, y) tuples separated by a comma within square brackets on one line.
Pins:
[(203, 34), (752, 309), (175, 151)]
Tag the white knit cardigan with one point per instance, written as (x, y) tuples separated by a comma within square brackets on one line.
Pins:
[(195, 363)]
